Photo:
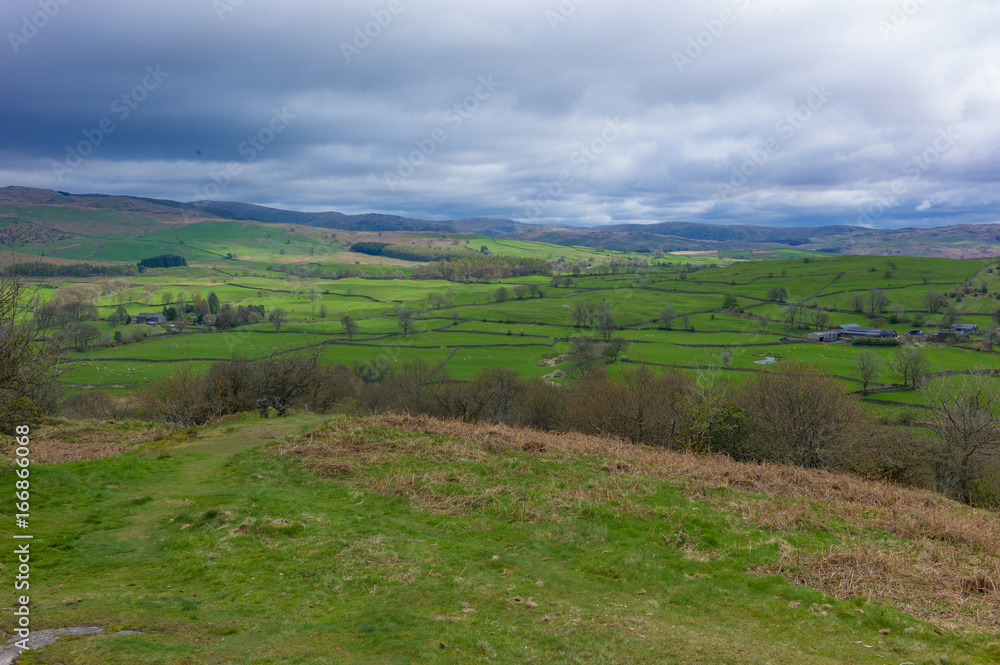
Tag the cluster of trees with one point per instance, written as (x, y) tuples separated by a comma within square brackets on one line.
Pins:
[(162, 261), (39, 269), (668, 315), (478, 268), (595, 316), (805, 314), (233, 318), (409, 252), (520, 291)]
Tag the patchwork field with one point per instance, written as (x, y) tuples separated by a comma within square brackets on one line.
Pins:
[(339, 538), (467, 327)]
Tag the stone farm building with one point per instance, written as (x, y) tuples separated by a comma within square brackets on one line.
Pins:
[(964, 328), (854, 330), (825, 336), (154, 319), (850, 331)]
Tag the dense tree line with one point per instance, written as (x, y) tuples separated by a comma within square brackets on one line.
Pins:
[(479, 267), (370, 248), (408, 252), (39, 269), (162, 261)]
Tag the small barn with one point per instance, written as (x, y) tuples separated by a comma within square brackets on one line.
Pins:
[(964, 329), (151, 319), (854, 330), (825, 336)]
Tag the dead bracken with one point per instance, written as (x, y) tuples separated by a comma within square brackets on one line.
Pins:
[(941, 556)]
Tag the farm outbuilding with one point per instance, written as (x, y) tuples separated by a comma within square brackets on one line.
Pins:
[(153, 319), (964, 328), (854, 330), (826, 336)]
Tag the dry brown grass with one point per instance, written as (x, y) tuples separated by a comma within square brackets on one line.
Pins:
[(917, 550), (69, 441), (344, 450)]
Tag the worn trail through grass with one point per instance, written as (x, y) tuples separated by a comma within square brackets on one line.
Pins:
[(317, 539)]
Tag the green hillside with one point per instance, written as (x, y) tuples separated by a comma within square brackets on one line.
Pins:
[(317, 540)]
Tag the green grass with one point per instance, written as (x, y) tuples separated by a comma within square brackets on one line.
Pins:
[(419, 554), (459, 332)]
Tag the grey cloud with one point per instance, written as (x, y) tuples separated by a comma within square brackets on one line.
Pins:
[(700, 87)]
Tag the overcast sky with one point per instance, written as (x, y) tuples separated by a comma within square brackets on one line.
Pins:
[(874, 112)]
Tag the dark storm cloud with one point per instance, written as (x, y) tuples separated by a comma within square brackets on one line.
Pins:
[(730, 111)]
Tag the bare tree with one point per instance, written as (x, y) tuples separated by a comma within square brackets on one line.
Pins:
[(81, 335), (278, 317), (875, 301), (312, 294), (795, 414), (26, 374), (935, 301), (439, 301), (965, 418), (867, 367), (583, 314), (910, 364), (794, 314), (606, 324), (951, 316), (820, 318)]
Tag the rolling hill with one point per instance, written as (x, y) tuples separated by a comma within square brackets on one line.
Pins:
[(136, 213), (329, 539)]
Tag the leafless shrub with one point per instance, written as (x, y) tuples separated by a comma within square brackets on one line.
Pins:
[(795, 414)]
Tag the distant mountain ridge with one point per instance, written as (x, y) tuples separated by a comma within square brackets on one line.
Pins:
[(363, 222), (694, 231), (959, 241)]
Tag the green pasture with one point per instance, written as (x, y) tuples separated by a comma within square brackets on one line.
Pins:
[(214, 545), (125, 375), (698, 336)]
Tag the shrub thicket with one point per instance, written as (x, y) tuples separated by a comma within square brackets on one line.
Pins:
[(874, 341), (791, 413)]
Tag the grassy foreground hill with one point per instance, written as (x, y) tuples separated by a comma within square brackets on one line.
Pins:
[(397, 539)]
